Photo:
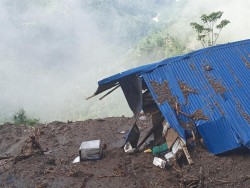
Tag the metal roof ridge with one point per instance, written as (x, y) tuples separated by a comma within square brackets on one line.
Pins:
[(152, 66)]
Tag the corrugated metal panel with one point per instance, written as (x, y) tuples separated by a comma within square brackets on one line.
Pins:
[(218, 78), (146, 68), (223, 94), (216, 138), (159, 75)]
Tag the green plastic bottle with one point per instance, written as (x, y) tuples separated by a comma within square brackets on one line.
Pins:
[(159, 149)]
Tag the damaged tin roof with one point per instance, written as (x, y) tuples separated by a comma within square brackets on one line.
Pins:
[(208, 88)]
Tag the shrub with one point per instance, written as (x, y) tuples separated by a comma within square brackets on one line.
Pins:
[(20, 118)]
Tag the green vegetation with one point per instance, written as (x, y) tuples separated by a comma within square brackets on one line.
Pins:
[(209, 32), (20, 118), (128, 20), (157, 46)]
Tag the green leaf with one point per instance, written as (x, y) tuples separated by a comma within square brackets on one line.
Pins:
[(222, 24), (209, 33)]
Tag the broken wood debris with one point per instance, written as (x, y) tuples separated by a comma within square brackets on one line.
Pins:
[(217, 86), (197, 115), (188, 157), (186, 90), (164, 93)]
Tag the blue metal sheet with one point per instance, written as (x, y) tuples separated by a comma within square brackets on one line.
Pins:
[(146, 68), (222, 92), (216, 138), (169, 113)]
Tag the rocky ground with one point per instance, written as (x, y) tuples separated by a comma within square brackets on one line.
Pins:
[(42, 156)]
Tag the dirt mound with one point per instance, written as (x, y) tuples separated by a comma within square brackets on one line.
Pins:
[(42, 157)]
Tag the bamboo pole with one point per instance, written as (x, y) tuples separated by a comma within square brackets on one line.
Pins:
[(185, 150), (109, 92)]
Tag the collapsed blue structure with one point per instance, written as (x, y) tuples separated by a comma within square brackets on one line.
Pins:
[(208, 88)]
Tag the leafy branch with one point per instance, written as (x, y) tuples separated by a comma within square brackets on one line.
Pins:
[(208, 32)]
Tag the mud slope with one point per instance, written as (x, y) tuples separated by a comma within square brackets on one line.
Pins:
[(22, 165)]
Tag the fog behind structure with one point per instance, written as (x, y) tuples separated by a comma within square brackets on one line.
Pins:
[(51, 56)]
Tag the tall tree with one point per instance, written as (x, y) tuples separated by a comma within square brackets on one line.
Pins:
[(208, 32)]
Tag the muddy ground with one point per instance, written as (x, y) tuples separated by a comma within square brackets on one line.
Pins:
[(24, 165)]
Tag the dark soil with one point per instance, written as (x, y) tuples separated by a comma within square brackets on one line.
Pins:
[(42, 157)]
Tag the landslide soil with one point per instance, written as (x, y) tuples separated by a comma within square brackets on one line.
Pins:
[(23, 165)]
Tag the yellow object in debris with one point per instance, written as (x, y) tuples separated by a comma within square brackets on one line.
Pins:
[(148, 150)]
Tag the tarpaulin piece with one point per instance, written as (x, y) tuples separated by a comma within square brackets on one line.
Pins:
[(132, 89)]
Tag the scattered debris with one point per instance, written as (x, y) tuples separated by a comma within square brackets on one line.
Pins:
[(242, 111), (122, 132), (217, 86), (90, 150), (158, 90), (185, 150), (148, 150), (128, 148), (142, 116), (175, 126), (116, 168), (198, 115), (77, 159), (159, 162), (186, 90), (164, 93), (208, 67), (160, 149)]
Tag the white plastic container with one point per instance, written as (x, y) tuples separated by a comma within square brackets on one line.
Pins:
[(159, 162), (90, 150)]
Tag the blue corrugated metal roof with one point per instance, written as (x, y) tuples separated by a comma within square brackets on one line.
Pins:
[(213, 81)]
